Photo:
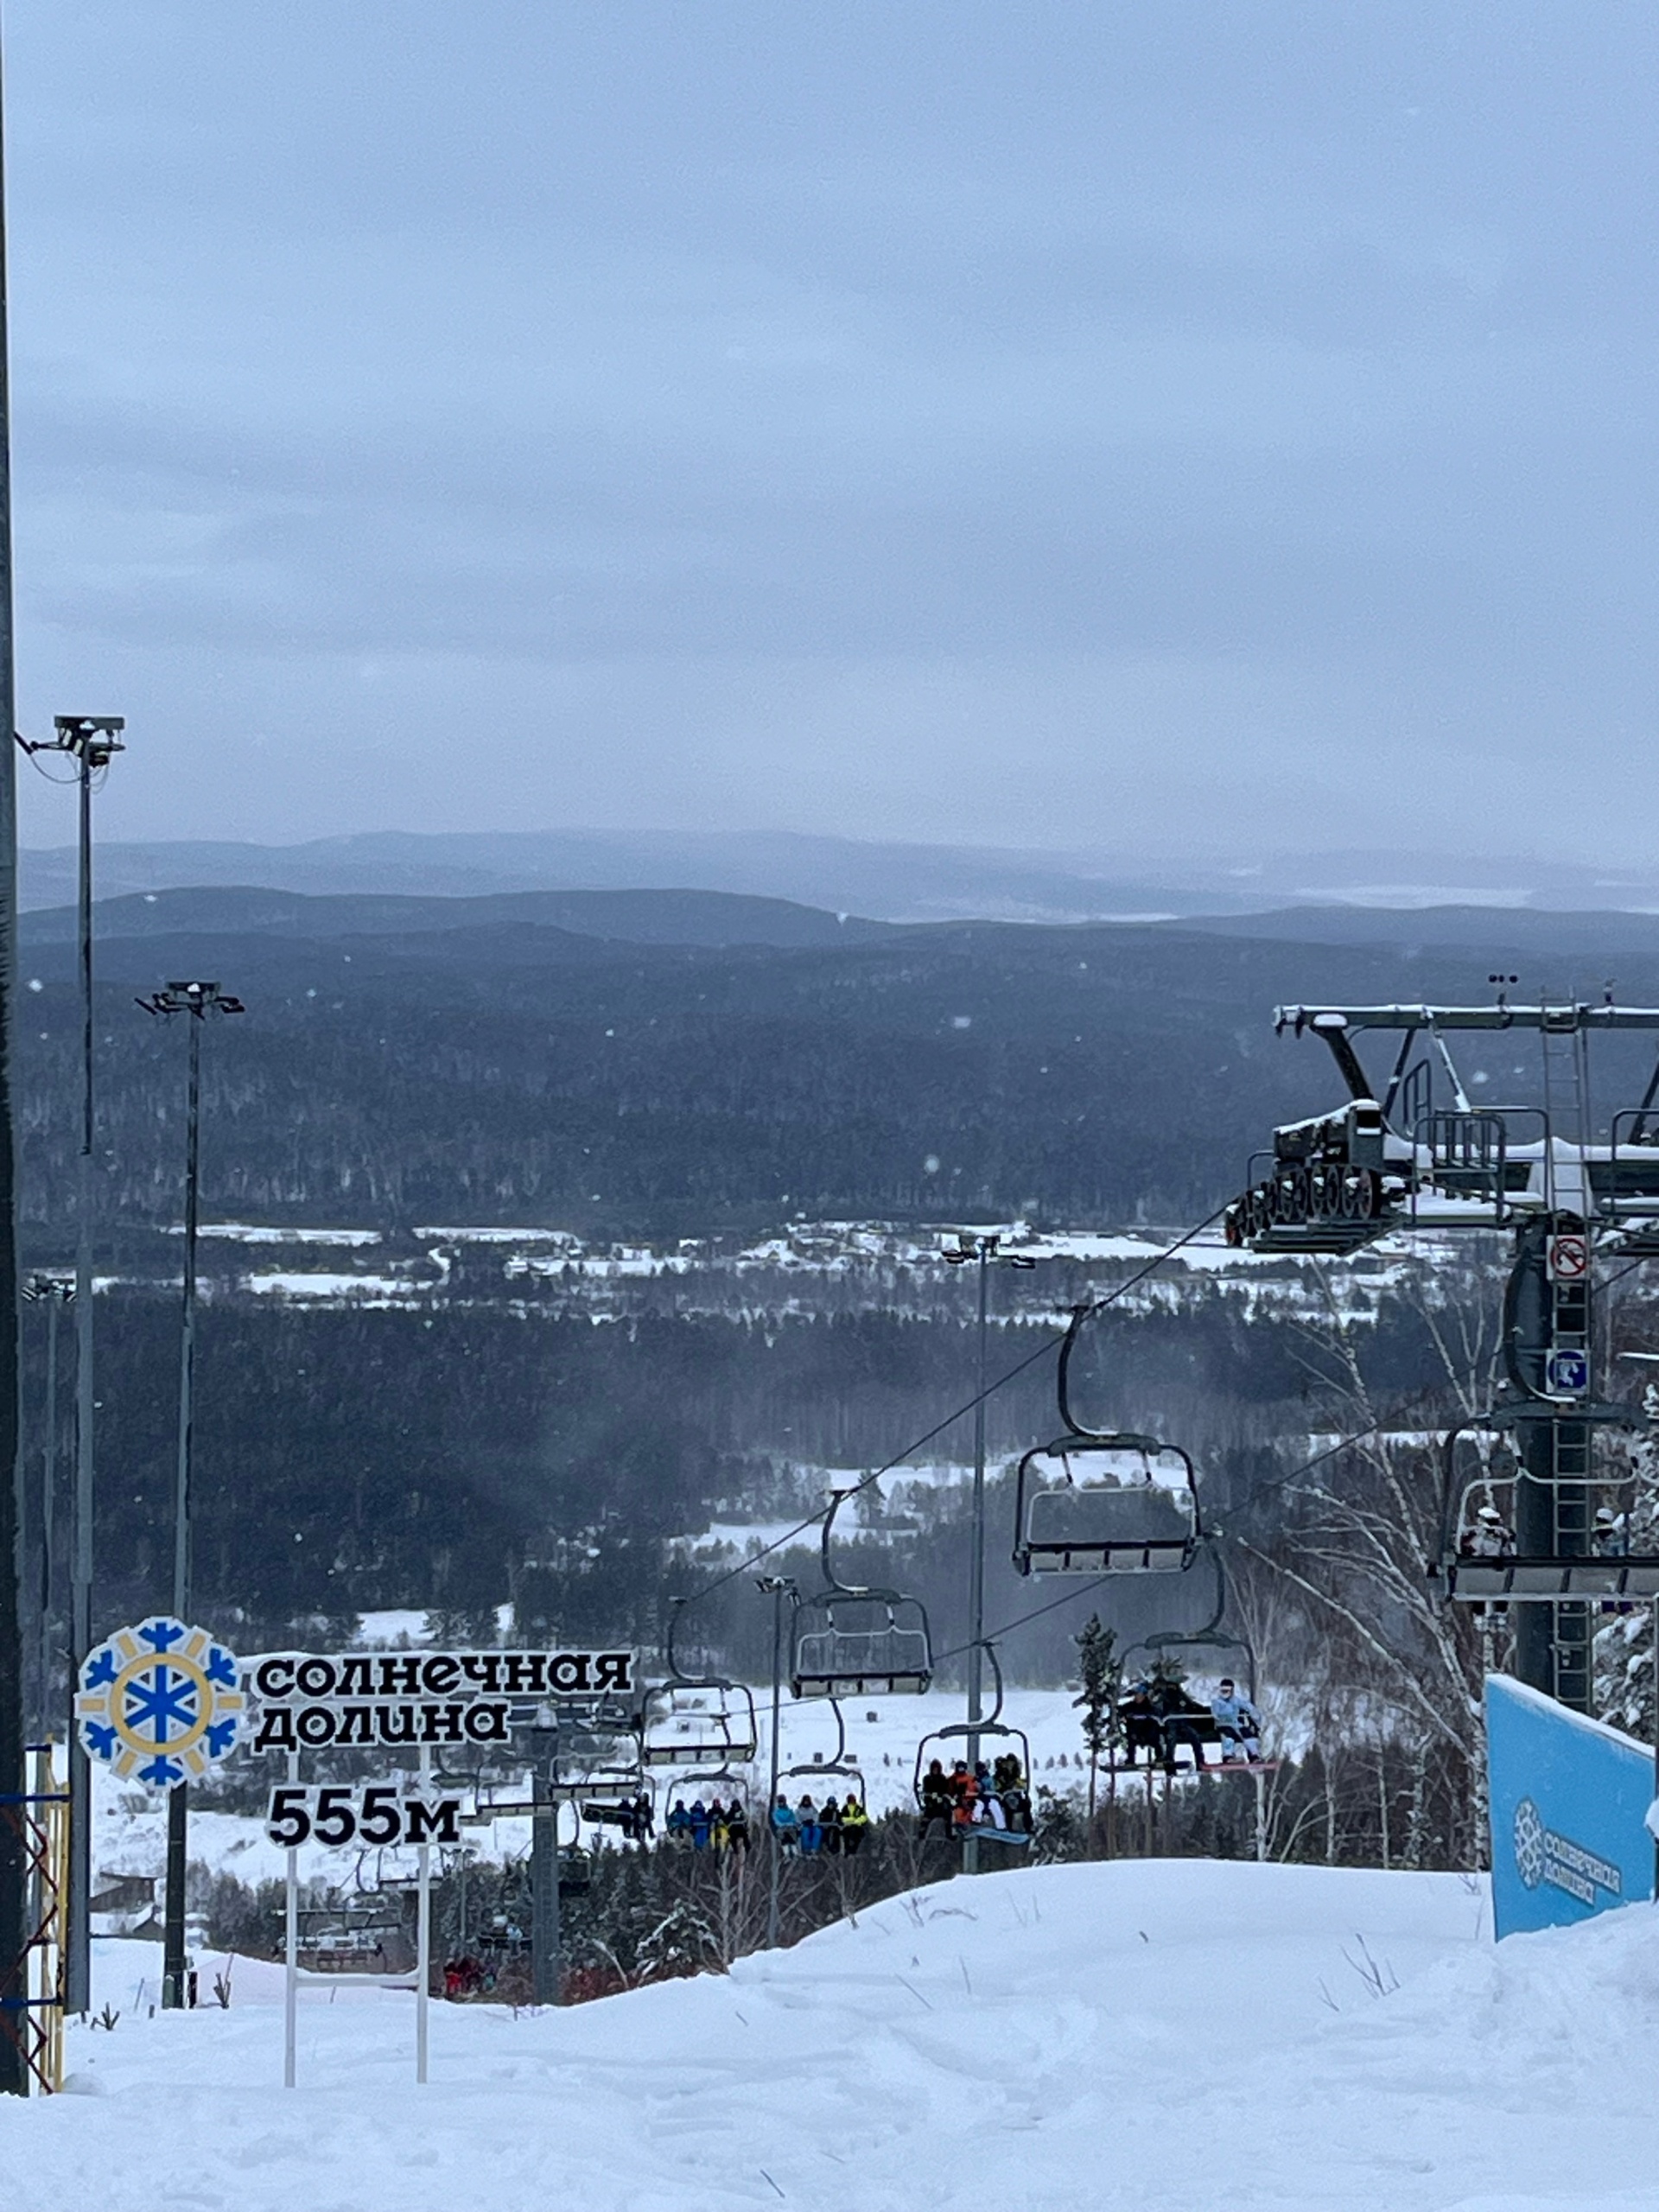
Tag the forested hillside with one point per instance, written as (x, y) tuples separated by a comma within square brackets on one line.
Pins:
[(512, 1072), (455, 1422)]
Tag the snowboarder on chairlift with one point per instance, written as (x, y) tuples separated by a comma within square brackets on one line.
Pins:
[(1237, 1723), (786, 1828)]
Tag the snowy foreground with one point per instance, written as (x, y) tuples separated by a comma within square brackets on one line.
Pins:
[(1147, 2034)]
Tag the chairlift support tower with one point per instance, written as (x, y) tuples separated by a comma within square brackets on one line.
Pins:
[(1392, 1160)]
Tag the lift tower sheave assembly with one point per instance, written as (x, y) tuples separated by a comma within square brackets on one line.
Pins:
[(1415, 1156)]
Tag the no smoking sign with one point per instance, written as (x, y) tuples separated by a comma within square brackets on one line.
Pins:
[(1569, 1258)]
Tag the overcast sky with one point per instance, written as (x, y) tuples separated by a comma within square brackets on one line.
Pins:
[(1186, 425)]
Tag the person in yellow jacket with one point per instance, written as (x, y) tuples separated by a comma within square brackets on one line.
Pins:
[(854, 1821)]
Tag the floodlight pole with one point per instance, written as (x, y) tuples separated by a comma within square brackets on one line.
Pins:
[(982, 1249), (92, 741), (14, 1871), (195, 1000)]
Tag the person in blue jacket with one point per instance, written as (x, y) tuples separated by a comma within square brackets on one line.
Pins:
[(1237, 1723), (786, 1827)]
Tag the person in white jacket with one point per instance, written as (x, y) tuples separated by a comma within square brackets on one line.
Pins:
[(1237, 1723)]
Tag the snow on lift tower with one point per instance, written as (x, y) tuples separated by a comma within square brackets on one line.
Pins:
[(1518, 1524), (694, 1720), (1104, 1502), (851, 1642)]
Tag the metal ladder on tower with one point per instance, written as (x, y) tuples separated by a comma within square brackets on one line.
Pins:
[(1567, 1107)]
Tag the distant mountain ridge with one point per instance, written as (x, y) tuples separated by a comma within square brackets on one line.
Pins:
[(714, 919), (1558, 951), (886, 882)]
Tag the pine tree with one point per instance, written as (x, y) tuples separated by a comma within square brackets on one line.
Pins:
[(1102, 1672)]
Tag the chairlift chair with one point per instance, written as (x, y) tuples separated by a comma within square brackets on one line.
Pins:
[(697, 1720), (1161, 1643), (1104, 1502), (997, 1732), (856, 1642), (1481, 1565)]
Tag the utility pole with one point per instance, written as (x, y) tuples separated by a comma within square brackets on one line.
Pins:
[(777, 1587), (92, 741), (14, 1873), (195, 1000)]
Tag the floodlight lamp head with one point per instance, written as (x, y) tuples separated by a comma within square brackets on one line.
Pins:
[(199, 999), (93, 740)]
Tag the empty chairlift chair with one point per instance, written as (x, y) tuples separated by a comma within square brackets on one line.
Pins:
[(858, 1642), (1104, 1502)]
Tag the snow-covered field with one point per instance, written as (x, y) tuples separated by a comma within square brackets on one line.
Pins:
[(1159, 2035)]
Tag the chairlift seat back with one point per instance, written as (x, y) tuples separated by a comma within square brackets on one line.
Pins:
[(862, 1644), (1106, 1506)]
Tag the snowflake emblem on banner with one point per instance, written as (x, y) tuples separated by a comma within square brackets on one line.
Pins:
[(1529, 1850), (160, 1703)]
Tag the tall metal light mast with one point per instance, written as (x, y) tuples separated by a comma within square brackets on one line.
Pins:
[(92, 741), (14, 1871), (196, 1001), (980, 1247)]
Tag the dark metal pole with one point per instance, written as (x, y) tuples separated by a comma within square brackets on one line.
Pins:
[(173, 1993), (977, 1565), (14, 1886), (77, 1983), (544, 1933), (775, 1842)]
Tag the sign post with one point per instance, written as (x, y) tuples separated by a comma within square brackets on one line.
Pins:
[(291, 1946), (424, 1932)]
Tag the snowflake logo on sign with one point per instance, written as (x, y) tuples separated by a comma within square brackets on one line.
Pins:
[(1529, 1850), (160, 1703)]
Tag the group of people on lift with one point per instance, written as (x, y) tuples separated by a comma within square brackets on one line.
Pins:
[(993, 1796), (806, 1829), (1158, 1717), (713, 1826), (1489, 1535)]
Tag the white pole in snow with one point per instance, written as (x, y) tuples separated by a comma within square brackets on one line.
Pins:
[(292, 1947), (423, 1933)]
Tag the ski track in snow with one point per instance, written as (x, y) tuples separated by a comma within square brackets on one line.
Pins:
[(1154, 2035)]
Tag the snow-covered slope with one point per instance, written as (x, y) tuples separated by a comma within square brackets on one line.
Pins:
[(1165, 2035)]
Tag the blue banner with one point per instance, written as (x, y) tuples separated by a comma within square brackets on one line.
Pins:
[(1569, 1797)]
